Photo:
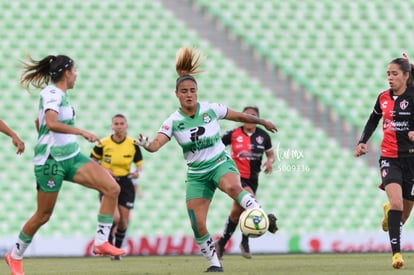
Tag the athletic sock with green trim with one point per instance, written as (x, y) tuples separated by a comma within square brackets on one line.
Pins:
[(208, 249), (247, 201), (20, 246), (103, 229)]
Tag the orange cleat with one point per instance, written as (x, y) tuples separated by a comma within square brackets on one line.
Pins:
[(108, 249), (16, 266)]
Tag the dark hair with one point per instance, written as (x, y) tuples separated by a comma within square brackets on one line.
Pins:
[(256, 109), (120, 116), (40, 73), (406, 67)]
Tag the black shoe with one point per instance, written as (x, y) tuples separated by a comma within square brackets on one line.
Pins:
[(214, 268), (272, 223), (245, 250), (219, 249)]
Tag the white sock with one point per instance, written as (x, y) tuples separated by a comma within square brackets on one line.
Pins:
[(247, 201), (102, 233), (209, 252), (18, 249)]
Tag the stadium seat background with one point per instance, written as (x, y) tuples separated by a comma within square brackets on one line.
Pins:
[(125, 56)]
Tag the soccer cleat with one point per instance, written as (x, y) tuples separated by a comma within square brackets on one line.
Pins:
[(272, 223), (15, 266), (245, 250), (219, 248), (397, 261), (384, 223), (214, 268), (108, 249)]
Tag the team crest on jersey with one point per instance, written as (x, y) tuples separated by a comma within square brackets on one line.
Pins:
[(206, 118), (384, 173), (259, 139), (403, 104), (51, 183)]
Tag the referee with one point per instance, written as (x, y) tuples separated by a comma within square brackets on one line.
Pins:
[(117, 153)]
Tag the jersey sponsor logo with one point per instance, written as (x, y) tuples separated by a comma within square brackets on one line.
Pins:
[(384, 104), (395, 125), (196, 133), (403, 104), (200, 143), (239, 139), (384, 163), (246, 155)]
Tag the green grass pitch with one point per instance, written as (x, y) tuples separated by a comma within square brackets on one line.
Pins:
[(303, 264)]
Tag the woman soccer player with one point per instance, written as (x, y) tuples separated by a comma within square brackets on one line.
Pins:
[(248, 145), (57, 156), (195, 126), (396, 108)]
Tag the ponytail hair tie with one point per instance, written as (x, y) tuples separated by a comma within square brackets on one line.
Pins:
[(405, 56)]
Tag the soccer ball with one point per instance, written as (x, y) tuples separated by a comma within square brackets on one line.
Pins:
[(253, 222)]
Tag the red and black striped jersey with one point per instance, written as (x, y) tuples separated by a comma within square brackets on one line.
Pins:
[(247, 150), (397, 113)]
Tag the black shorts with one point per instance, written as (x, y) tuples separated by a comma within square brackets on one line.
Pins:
[(398, 170), (126, 197), (252, 183)]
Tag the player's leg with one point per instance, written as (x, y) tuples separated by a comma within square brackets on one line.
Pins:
[(199, 192), (408, 207), (45, 204), (122, 225), (197, 210), (114, 227), (394, 193), (49, 178), (126, 201), (90, 174), (384, 223), (230, 227), (230, 184)]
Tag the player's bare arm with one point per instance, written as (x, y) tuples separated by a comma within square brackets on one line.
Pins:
[(247, 118), (53, 124), (154, 145)]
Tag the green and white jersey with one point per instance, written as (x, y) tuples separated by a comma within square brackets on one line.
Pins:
[(199, 136), (60, 146)]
